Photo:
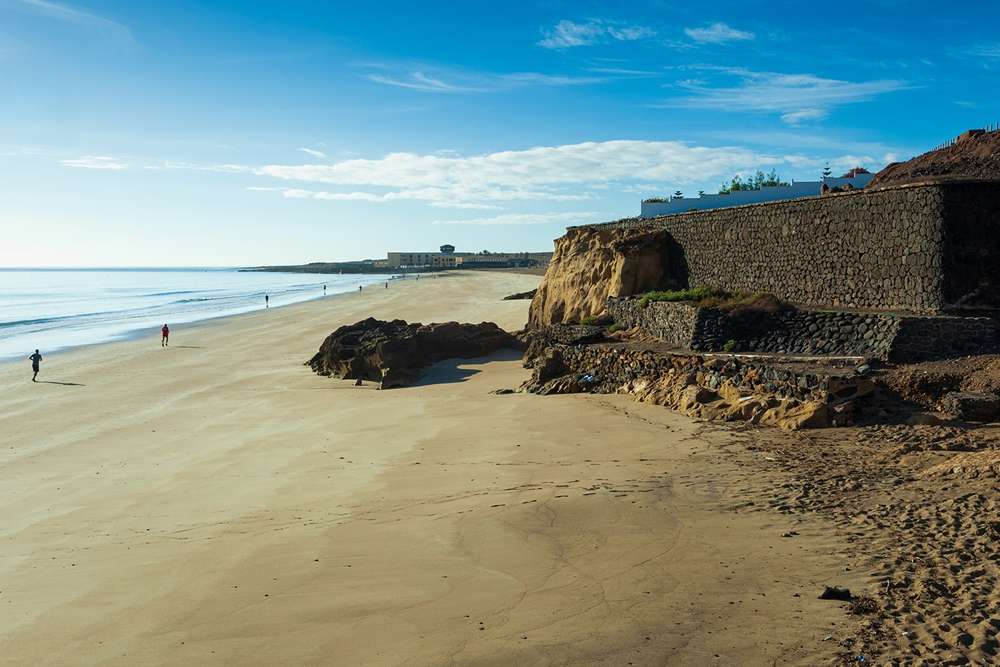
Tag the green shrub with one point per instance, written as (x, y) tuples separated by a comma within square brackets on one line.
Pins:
[(596, 320), (615, 327), (693, 294), (712, 297), (729, 346)]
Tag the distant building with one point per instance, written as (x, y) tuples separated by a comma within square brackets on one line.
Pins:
[(447, 258), (856, 178)]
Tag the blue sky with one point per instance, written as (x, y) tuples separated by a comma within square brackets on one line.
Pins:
[(235, 133)]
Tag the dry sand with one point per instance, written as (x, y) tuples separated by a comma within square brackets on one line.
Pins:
[(217, 503)]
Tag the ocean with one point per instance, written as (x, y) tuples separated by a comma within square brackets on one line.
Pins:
[(58, 309)]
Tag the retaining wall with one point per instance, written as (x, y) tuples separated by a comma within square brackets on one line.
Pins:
[(915, 248), (885, 336)]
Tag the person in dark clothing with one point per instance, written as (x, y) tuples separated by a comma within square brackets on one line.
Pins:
[(267, 301), (165, 333), (35, 359)]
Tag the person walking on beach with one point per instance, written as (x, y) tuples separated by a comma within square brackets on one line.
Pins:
[(164, 335), (35, 358), (267, 301)]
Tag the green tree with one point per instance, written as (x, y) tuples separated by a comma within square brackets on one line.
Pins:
[(678, 195), (755, 182)]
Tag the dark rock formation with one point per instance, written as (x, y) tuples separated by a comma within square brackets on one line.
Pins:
[(972, 406), (517, 296), (537, 340), (393, 353)]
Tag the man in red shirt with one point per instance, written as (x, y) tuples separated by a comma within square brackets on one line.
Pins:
[(166, 335)]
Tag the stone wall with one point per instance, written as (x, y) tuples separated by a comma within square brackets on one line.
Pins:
[(757, 391), (925, 338), (885, 336), (673, 323), (971, 264), (915, 248)]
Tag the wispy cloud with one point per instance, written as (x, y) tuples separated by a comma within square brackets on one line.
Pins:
[(456, 81), (802, 115), (567, 34), (422, 82), (797, 97), (531, 219), (990, 50), (717, 33), (68, 14), (312, 151), (95, 162)]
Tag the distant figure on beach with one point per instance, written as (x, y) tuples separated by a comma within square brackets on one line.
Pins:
[(324, 289), (165, 335), (267, 301), (387, 285), (35, 358), (359, 288)]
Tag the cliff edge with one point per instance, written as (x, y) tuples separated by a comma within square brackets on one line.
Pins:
[(592, 263)]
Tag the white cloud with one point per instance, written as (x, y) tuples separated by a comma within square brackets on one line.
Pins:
[(69, 14), (531, 219), (717, 33), (574, 172), (567, 34), (797, 97), (94, 162), (312, 151)]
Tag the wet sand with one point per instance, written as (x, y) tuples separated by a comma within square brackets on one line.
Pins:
[(218, 503)]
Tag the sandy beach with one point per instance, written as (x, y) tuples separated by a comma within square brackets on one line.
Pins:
[(218, 503)]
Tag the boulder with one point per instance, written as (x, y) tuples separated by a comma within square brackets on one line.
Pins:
[(393, 353), (972, 406)]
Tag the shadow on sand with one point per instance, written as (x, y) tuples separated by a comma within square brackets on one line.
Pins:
[(187, 347), (61, 384), (457, 370)]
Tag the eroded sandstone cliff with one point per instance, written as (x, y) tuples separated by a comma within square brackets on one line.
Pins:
[(591, 264)]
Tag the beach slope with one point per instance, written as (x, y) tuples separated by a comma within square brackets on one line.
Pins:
[(218, 503)]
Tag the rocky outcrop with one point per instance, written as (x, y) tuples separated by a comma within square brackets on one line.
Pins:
[(727, 389), (518, 296), (393, 353), (591, 264)]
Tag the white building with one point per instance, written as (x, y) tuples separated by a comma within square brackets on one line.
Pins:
[(795, 190)]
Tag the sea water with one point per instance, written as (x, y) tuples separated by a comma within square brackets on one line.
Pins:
[(57, 309)]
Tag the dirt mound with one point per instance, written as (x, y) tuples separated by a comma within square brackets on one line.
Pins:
[(394, 352), (969, 465), (928, 383), (975, 155)]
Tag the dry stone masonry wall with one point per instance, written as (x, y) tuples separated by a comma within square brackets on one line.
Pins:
[(913, 248), (882, 336)]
